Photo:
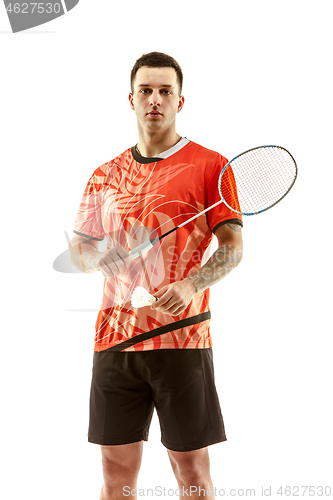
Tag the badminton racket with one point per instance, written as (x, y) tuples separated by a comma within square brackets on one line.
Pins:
[(249, 184)]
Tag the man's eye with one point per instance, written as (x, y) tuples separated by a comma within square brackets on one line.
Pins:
[(148, 91)]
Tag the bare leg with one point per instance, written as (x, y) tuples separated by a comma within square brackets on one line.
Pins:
[(121, 465), (191, 469)]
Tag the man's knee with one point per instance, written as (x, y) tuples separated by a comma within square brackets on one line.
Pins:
[(114, 469), (192, 474)]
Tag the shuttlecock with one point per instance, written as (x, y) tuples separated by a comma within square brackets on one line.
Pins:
[(141, 298)]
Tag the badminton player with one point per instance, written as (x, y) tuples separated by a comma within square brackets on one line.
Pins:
[(146, 191)]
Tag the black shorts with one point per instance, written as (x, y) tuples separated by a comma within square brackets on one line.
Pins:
[(179, 383)]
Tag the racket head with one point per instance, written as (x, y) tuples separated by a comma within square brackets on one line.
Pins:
[(257, 179)]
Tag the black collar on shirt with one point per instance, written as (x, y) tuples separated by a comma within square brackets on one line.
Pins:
[(142, 159)]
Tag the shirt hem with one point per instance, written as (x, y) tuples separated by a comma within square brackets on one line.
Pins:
[(166, 345)]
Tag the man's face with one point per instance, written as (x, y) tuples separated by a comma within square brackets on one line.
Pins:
[(155, 98)]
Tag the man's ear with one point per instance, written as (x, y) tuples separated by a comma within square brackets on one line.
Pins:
[(181, 103), (130, 98)]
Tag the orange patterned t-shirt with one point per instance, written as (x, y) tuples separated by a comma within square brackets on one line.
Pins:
[(132, 199)]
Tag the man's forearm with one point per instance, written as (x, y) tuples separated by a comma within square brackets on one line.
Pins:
[(80, 255), (224, 260)]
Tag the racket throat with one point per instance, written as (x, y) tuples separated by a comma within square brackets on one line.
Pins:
[(143, 248)]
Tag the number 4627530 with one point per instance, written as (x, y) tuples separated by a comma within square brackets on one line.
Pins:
[(31, 7)]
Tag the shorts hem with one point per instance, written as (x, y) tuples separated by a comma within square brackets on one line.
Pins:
[(115, 442), (192, 446)]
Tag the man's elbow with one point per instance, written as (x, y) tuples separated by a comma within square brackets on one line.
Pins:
[(239, 251), (234, 249)]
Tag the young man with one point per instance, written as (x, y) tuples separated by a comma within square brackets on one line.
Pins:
[(159, 356)]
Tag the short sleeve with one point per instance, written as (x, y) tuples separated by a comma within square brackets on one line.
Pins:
[(221, 214), (88, 221)]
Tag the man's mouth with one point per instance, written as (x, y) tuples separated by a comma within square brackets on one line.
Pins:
[(154, 113)]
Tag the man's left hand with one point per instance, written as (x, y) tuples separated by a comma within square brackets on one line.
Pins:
[(173, 299)]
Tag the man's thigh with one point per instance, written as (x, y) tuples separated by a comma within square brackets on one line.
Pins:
[(188, 460), (123, 456)]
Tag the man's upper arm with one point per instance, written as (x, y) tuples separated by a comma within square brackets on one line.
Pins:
[(230, 233)]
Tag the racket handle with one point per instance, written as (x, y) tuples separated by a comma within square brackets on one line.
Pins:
[(142, 249)]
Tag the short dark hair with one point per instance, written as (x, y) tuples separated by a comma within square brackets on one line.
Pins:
[(157, 60)]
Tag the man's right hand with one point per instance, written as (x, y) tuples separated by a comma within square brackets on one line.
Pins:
[(86, 257), (112, 262)]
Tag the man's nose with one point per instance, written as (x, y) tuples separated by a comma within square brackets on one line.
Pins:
[(155, 98)]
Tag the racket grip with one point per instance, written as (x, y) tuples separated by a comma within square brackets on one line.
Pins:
[(142, 249)]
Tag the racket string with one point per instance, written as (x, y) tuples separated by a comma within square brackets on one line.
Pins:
[(257, 179)]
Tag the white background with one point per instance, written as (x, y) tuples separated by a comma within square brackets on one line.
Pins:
[(256, 72)]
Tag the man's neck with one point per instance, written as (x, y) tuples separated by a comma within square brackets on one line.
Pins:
[(152, 145)]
